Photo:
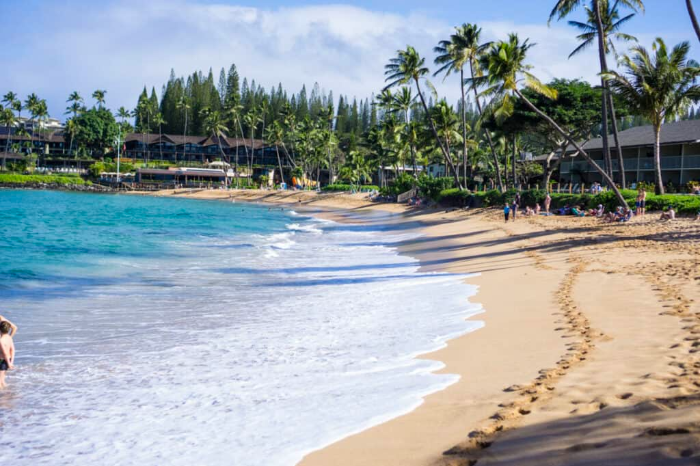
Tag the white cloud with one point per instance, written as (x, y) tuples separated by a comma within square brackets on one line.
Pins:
[(344, 48)]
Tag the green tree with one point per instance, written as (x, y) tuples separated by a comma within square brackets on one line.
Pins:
[(402, 102), (507, 71), (462, 49), (8, 119), (159, 121), (99, 96), (659, 87), (97, 130), (216, 128), (564, 8), (612, 23), (407, 67), (275, 135), (184, 106)]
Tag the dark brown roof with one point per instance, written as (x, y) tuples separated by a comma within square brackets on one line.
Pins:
[(671, 133), (198, 140)]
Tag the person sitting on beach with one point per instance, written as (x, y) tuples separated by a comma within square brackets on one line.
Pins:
[(13, 327), (528, 211), (577, 212), (538, 209), (7, 351), (670, 214), (613, 216), (506, 211), (626, 216)]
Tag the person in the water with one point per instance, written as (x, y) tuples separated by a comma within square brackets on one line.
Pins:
[(12, 326), (7, 351)]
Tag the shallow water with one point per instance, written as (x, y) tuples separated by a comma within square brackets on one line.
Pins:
[(170, 331)]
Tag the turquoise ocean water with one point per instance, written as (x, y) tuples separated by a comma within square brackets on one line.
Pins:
[(171, 331)]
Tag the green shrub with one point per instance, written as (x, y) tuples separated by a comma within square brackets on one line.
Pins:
[(532, 197), (431, 187), (682, 204), (339, 187), (454, 197), (493, 198), (21, 180)]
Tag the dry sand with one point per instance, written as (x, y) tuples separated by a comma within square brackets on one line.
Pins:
[(590, 353)]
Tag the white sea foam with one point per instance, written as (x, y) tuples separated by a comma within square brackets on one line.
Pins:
[(225, 355)]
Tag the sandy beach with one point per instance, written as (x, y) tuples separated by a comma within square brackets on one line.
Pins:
[(588, 353)]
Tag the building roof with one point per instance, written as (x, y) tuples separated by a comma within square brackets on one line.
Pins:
[(49, 135), (671, 133)]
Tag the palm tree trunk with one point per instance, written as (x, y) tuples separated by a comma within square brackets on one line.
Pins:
[(576, 145), (464, 122), (496, 165), (515, 176), (691, 12), (184, 137), (160, 137), (618, 147), (252, 149), (657, 160), (279, 162), (410, 145), (235, 163), (603, 69), (445, 153)]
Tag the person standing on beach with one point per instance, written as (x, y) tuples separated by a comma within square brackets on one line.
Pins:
[(642, 202), (7, 351), (547, 203), (516, 204), (506, 211)]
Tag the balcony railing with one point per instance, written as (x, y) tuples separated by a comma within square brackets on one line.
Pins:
[(691, 161), (644, 164)]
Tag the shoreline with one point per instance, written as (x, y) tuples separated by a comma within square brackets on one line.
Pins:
[(538, 336)]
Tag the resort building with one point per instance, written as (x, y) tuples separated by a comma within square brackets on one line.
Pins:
[(680, 155), (146, 147)]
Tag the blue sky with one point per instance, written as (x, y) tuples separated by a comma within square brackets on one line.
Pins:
[(55, 47)]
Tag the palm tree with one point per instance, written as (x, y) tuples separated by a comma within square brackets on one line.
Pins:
[(464, 48), (408, 67), (158, 120), (507, 71), (75, 98), (99, 96), (659, 87), (215, 126), (235, 110), (72, 130), (403, 101), (446, 123), (7, 118), (461, 49), (565, 7), (11, 101), (357, 168), (31, 103), (275, 135), (252, 119), (589, 32), (143, 113), (184, 105), (693, 18), (41, 114)]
